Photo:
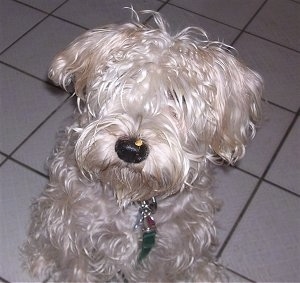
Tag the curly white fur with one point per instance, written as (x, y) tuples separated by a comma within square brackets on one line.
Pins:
[(192, 103)]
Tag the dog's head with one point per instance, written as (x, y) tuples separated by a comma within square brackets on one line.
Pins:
[(155, 108)]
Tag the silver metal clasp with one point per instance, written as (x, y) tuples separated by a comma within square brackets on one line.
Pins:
[(144, 218)]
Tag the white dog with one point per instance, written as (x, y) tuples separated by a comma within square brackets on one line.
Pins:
[(129, 193)]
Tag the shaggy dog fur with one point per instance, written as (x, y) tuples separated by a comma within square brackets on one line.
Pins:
[(154, 111)]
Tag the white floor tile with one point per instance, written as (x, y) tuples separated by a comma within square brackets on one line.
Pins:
[(260, 150), (13, 25), (103, 12), (279, 67), (285, 169), (179, 19), (265, 246), (232, 12), (45, 5), (25, 103), (38, 148), (34, 52), (279, 21), (18, 187), (233, 188)]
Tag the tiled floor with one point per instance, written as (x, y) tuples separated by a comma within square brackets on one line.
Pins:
[(259, 225)]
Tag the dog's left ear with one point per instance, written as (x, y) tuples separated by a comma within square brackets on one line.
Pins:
[(233, 103), (86, 58)]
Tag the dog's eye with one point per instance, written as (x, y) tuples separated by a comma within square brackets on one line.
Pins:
[(172, 95)]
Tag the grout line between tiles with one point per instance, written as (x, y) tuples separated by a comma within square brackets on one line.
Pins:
[(28, 167), (39, 22), (248, 23), (246, 172), (279, 106), (258, 36), (28, 74), (266, 180), (38, 9), (4, 160), (271, 41), (3, 153), (256, 188), (163, 5), (58, 7), (158, 9), (69, 22), (25, 33), (39, 126), (1, 163), (240, 275), (282, 188), (242, 213), (203, 16), (241, 31), (281, 143)]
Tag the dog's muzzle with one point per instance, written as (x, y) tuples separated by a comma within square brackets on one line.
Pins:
[(131, 150)]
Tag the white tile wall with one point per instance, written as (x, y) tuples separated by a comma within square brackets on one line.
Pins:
[(259, 224)]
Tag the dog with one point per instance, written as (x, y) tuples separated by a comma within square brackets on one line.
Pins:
[(129, 197)]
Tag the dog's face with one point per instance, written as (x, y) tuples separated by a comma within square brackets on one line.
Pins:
[(155, 108)]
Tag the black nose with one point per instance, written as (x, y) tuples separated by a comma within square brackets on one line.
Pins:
[(131, 150)]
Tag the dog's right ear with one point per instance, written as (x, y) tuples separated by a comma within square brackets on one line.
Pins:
[(87, 56)]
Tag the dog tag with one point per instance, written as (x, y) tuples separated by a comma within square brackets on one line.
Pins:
[(148, 243), (139, 221), (147, 224)]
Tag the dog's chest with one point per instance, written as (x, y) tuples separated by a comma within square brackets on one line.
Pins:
[(110, 228)]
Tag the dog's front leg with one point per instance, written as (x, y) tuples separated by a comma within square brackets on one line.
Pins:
[(206, 271), (53, 247)]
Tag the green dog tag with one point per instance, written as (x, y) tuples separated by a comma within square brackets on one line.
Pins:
[(148, 243)]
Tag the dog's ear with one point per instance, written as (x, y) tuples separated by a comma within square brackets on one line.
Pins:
[(232, 94), (84, 58)]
